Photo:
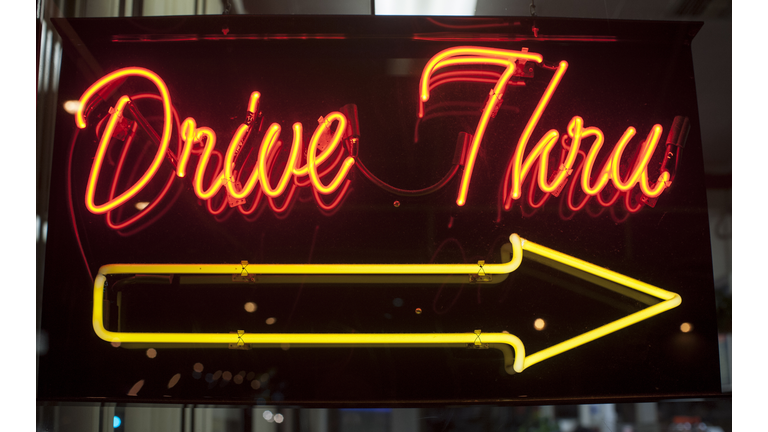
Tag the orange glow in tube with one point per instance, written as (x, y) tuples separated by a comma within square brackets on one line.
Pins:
[(235, 146), (266, 149), (286, 203), (335, 202), (628, 204), (469, 164), (611, 201), (122, 74), (229, 161), (253, 102), (209, 136), (484, 54), (165, 138), (641, 162), (514, 170), (118, 170), (661, 184), (188, 129), (563, 171), (329, 167), (319, 159), (577, 131), (313, 143), (466, 75), (98, 160)]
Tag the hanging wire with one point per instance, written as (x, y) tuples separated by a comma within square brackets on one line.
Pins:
[(533, 8), (406, 192)]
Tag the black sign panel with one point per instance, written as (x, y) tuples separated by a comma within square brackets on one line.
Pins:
[(377, 210)]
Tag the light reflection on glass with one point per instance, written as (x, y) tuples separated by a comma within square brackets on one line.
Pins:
[(227, 375), (686, 327), (267, 415), (250, 307), (141, 205), (217, 375), (71, 106), (250, 376), (198, 367), (539, 324), (271, 320), (151, 353), (278, 418), (115, 344), (264, 378), (255, 384), (135, 389), (285, 346), (174, 379)]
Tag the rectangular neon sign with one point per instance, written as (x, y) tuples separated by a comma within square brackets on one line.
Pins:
[(351, 195)]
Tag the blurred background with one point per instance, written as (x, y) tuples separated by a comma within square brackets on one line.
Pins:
[(712, 54)]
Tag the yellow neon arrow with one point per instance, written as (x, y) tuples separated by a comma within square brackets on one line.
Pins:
[(511, 346)]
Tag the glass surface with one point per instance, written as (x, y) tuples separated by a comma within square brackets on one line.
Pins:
[(633, 74)]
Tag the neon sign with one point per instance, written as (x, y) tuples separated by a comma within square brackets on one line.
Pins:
[(335, 128), (515, 358)]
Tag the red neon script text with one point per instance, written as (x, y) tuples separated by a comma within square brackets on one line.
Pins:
[(519, 166), (194, 136)]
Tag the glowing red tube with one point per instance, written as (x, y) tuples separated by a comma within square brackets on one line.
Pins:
[(330, 167), (611, 201), (286, 203), (661, 184), (515, 166), (235, 146), (469, 163), (118, 169), (577, 132), (323, 128), (99, 159), (641, 162), (188, 132), (218, 180), (488, 55), (114, 117), (335, 202), (266, 147)]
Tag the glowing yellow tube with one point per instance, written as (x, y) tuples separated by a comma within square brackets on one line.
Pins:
[(315, 269), (670, 300), (314, 339), (511, 346)]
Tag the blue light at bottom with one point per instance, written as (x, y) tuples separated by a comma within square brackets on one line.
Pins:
[(116, 422)]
